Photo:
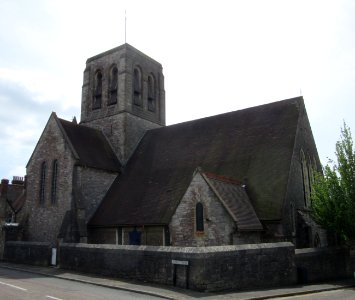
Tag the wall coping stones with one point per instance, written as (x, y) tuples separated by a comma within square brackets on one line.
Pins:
[(190, 250), (305, 251), (21, 243)]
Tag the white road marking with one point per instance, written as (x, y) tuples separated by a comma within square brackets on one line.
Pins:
[(51, 297), (14, 286)]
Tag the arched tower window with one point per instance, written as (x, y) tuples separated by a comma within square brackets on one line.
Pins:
[(305, 175), (97, 91), (113, 88), (42, 188), (199, 217), (54, 181), (151, 93), (137, 87)]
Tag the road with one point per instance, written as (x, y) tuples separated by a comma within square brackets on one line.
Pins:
[(22, 285), (343, 294)]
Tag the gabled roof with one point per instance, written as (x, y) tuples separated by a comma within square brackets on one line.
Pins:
[(90, 146), (233, 196), (254, 144), (17, 204), (15, 196)]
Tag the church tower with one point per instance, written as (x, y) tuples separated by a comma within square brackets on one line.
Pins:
[(123, 95)]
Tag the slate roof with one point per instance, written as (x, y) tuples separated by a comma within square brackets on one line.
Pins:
[(17, 203), (255, 144), (16, 196), (91, 146), (234, 197)]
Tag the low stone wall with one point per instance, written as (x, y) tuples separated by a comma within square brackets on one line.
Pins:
[(319, 264), (208, 269), (32, 253), (199, 268)]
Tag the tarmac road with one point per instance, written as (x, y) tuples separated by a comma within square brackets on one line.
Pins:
[(20, 285)]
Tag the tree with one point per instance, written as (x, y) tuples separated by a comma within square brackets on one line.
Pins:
[(333, 192)]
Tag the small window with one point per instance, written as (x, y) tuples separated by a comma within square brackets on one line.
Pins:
[(151, 93), (42, 183), (54, 181), (199, 217), (137, 87), (113, 90), (97, 91), (293, 219), (305, 175)]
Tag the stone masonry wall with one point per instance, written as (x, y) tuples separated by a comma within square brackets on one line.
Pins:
[(206, 268), (125, 58), (45, 219), (124, 131), (295, 199), (124, 123), (32, 253), (92, 185), (320, 264), (218, 224), (209, 268)]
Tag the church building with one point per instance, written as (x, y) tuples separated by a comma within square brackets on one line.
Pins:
[(121, 176)]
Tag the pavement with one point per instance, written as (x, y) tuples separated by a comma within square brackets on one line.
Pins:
[(168, 292)]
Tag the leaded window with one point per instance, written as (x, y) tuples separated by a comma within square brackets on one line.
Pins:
[(42, 189), (151, 93), (113, 89), (137, 87), (54, 181), (97, 91), (199, 217)]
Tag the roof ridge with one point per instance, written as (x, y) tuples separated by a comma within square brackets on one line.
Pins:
[(222, 178), (259, 106)]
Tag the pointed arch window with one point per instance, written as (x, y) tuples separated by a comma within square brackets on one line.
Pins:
[(137, 87), (305, 177), (151, 93), (54, 181), (293, 219), (199, 217), (113, 86), (42, 188), (97, 91)]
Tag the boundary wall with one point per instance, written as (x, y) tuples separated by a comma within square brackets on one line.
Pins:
[(236, 267), (320, 264)]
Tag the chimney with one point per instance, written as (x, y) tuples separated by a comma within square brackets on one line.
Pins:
[(3, 197), (18, 180), (4, 186)]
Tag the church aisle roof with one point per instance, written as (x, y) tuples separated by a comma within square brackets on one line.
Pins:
[(254, 145), (91, 146), (234, 197)]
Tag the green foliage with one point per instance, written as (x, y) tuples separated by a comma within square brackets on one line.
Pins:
[(333, 193)]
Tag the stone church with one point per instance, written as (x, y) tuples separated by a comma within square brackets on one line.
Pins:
[(121, 176)]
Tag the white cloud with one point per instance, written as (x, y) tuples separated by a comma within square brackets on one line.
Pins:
[(217, 56)]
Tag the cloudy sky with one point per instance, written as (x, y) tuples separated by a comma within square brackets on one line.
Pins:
[(218, 56)]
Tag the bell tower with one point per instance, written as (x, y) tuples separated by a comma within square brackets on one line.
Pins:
[(123, 95)]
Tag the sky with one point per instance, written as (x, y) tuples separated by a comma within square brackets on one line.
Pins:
[(217, 56)]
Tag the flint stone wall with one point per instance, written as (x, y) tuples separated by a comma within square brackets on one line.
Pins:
[(32, 253), (209, 268), (320, 264)]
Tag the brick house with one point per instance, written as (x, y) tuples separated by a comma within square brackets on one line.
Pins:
[(121, 176)]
